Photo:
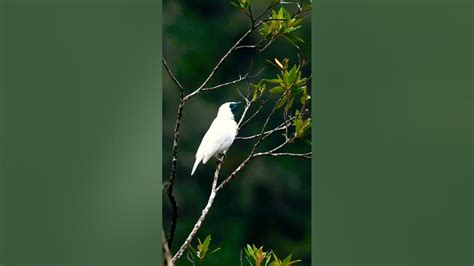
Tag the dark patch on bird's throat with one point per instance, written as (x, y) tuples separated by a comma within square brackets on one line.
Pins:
[(234, 106)]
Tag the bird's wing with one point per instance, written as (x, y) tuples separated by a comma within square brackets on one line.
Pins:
[(218, 138)]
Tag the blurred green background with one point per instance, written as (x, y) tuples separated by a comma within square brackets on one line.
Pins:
[(393, 132), (80, 149), (269, 203)]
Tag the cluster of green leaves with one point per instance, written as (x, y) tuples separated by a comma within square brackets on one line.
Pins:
[(202, 249), (258, 89), (257, 257), (302, 125), (282, 23), (291, 87)]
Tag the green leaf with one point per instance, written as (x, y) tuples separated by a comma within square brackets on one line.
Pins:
[(300, 81), (254, 96), (291, 29), (281, 103), (292, 75), (296, 90), (277, 89), (276, 260), (295, 22), (206, 243), (305, 97), (275, 81), (304, 128), (217, 249), (287, 260), (298, 122), (268, 258), (292, 41), (192, 249), (281, 12), (289, 104), (234, 4)]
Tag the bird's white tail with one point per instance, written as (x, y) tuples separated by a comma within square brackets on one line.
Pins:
[(196, 163)]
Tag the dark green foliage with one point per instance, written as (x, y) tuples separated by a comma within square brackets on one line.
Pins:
[(289, 84), (282, 23)]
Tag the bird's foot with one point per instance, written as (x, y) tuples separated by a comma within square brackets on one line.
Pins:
[(220, 158)]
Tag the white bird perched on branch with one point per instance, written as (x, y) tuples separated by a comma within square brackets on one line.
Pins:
[(219, 136)]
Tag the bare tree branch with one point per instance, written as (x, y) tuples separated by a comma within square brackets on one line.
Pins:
[(174, 164), (170, 183), (166, 251), (204, 212)]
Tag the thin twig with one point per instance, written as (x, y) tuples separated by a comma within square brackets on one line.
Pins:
[(226, 83), (241, 78), (252, 20), (267, 44), (256, 112), (241, 257), (244, 113), (170, 73), (282, 126), (266, 122), (272, 5), (249, 45), (304, 155)]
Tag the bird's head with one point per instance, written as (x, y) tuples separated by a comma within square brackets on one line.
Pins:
[(228, 109)]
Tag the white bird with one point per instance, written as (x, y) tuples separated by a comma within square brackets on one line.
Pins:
[(219, 136)]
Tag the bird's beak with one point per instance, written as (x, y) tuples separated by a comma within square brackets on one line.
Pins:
[(239, 103)]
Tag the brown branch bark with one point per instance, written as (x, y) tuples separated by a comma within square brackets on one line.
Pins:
[(170, 183), (166, 251)]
